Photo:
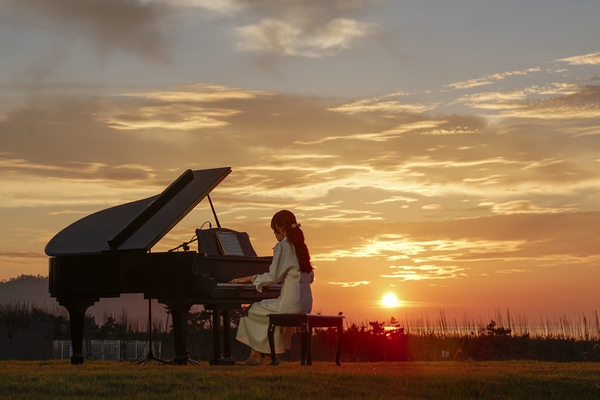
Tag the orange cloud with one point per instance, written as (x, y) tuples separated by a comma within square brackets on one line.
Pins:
[(425, 272), (349, 284)]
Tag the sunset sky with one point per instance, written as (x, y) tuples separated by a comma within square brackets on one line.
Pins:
[(447, 152)]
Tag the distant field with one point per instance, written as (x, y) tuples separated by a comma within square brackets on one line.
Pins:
[(412, 380)]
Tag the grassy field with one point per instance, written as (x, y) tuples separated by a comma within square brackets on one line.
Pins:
[(414, 380)]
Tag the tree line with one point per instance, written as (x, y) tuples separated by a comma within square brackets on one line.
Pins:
[(362, 342)]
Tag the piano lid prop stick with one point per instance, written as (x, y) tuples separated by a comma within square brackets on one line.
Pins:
[(214, 212)]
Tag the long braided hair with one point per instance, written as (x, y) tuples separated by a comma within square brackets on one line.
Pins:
[(295, 236)]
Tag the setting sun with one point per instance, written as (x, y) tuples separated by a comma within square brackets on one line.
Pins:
[(390, 300)]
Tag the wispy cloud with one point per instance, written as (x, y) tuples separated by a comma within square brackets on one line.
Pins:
[(582, 103), (522, 206), (67, 167), (490, 79), (349, 284), (424, 272), (26, 191), (22, 254), (422, 126), (76, 171), (394, 199), (516, 98), (512, 271), (189, 108), (396, 247), (587, 59), (382, 105), (554, 101)]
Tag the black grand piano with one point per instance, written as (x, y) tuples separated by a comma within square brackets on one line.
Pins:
[(109, 253)]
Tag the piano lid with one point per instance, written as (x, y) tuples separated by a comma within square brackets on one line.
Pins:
[(139, 225)]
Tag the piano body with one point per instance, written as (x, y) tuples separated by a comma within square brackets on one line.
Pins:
[(109, 253)]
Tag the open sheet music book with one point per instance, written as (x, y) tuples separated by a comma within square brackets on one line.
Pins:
[(229, 243)]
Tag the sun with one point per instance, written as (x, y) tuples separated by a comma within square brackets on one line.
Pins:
[(390, 300)]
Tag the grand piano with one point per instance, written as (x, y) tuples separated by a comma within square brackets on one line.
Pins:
[(108, 253)]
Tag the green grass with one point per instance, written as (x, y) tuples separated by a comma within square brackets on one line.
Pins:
[(414, 380)]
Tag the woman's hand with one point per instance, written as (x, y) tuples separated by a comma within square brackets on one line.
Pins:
[(245, 279)]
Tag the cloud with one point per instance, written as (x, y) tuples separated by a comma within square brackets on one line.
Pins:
[(394, 247), (516, 98), (382, 104), (394, 199), (583, 103), (184, 108), (350, 284), (21, 254), (297, 8), (490, 79), (587, 59), (425, 272), (286, 39), (554, 101), (188, 108), (135, 26), (512, 271), (303, 28), (295, 150), (224, 7), (521, 206), (425, 127), (23, 190), (421, 126), (448, 249)]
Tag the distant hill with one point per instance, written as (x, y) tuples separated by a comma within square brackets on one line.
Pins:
[(30, 288), (34, 290)]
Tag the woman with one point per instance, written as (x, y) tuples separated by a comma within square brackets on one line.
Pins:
[(291, 266)]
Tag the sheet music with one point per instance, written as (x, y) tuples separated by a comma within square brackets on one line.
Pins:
[(229, 243)]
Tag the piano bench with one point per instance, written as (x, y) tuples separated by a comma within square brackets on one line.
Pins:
[(306, 322)]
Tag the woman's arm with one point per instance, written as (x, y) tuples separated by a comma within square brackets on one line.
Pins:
[(245, 279), (268, 277), (278, 268)]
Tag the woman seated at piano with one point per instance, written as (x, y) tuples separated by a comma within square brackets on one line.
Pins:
[(291, 266)]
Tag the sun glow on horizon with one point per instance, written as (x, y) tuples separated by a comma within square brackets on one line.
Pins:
[(390, 300)]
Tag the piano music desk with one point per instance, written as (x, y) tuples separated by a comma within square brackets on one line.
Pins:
[(306, 322)]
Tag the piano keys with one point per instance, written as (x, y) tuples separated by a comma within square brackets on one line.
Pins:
[(108, 253)]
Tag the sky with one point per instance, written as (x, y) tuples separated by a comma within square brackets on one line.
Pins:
[(446, 152)]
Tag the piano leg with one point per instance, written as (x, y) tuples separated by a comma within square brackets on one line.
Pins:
[(226, 330), (216, 322), (179, 313), (77, 309), (217, 358)]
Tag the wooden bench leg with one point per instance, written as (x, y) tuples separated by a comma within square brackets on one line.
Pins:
[(305, 322), (309, 346), (271, 337), (340, 334), (304, 344)]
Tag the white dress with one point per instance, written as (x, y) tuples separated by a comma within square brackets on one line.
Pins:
[(295, 297)]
